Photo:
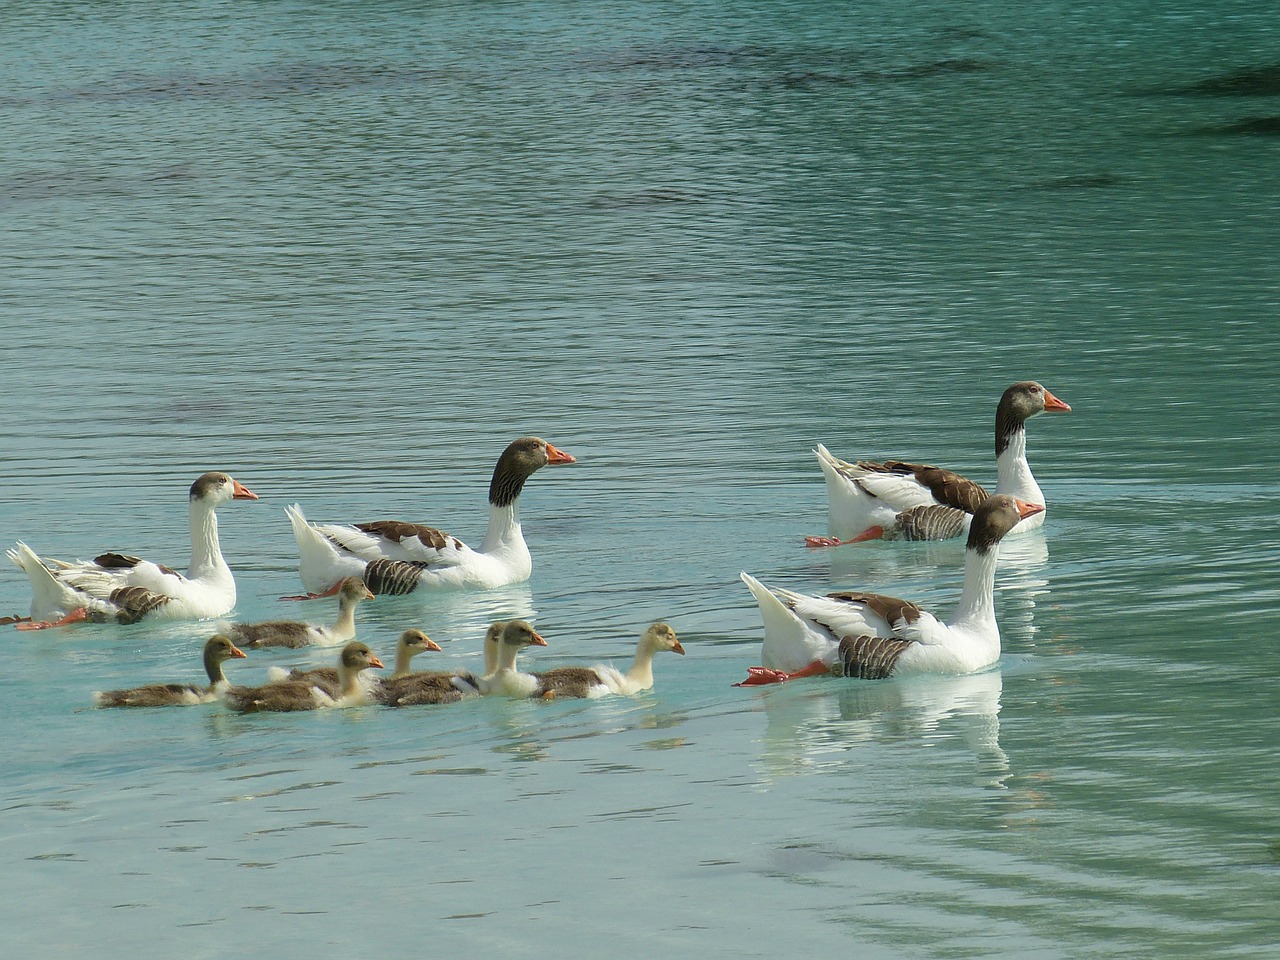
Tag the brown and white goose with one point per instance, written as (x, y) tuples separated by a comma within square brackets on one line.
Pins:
[(505, 680), (894, 500), (602, 679), (399, 557), (123, 588), (292, 695), (217, 651), (294, 634), (874, 636)]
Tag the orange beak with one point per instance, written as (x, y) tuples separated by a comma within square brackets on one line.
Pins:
[(538, 641), (375, 662), (678, 649), (559, 456), (369, 594), (241, 492), (1052, 403), (431, 645), (1027, 509), (237, 653)]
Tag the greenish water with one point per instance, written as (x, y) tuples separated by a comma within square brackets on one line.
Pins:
[(347, 252)]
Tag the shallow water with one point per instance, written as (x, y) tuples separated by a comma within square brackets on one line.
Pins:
[(348, 252)]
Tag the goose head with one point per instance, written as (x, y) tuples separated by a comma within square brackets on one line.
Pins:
[(215, 488), (218, 649), (520, 633), (351, 591), (660, 637), (357, 656), (417, 642), (997, 516), (521, 460)]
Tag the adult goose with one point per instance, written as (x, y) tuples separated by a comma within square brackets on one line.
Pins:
[(602, 679), (874, 636), (505, 679), (217, 651), (126, 589), (290, 695), (293, 634), (398, 557), (894, 500)]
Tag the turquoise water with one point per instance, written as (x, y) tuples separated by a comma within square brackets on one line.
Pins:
[(347, 252)]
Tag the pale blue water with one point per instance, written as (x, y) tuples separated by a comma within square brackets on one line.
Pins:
[(348, 251)]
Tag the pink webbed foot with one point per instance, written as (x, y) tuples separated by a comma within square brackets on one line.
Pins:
[(871, 533), (331, 592), (759, 676), (75, 616)]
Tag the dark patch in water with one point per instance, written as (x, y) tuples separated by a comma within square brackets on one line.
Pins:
[(1250, 82), (676, 57), (953, 66), (268, 82), (1251, 127), (1082, 181), (656, 197)]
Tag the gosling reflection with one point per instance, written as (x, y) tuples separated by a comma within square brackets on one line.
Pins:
[(810, 726)]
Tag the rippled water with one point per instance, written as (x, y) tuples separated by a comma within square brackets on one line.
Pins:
[(347, 252)]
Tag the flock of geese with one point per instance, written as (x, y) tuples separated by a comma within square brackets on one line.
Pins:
[(847, 633)]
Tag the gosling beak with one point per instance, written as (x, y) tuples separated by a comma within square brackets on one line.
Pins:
[(237, 653), (678, 649), (431, 645), (375, 662), (537, 640)]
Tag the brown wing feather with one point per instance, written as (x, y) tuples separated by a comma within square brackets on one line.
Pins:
[(948, 488), (124, 561), (398, 530), (134, 603), (892, 609), (871, 658)]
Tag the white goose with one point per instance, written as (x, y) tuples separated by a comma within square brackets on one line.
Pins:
[(397, 557), (892, 500), (115, 586), (604, 678), (873, 636)]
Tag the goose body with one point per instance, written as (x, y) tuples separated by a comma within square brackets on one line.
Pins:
[(896, 500), (399, 557), (311, 694), (406, 688), (874, 636), (217, 650), (603, 679), (126, 589), (294, 634)]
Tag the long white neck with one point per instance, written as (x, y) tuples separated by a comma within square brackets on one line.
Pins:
[(976, 610), (344, 628), (206, 554), (1013, 473), (504, 536), (640, 672)]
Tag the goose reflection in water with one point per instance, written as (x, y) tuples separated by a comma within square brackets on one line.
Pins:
[(812, 725)]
